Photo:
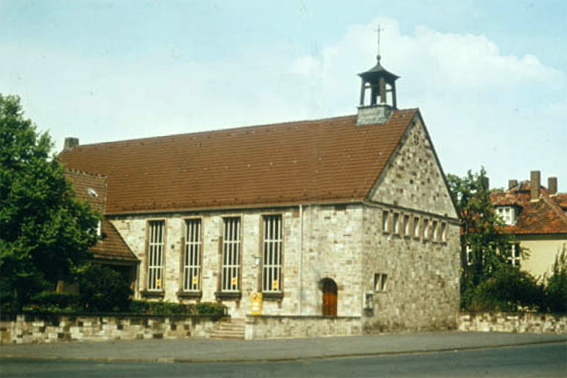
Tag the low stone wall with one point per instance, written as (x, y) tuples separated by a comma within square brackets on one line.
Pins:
[(38, 328), (512, 322), (276, 327)]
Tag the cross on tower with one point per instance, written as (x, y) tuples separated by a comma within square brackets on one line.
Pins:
[(378, 30)]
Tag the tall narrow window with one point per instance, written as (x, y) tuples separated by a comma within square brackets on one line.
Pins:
[(443, 232), (272, 262), (416, 227), (155, 255), (231, 255), (385, 221), (396, 224), (425, 230), (406, 225), (434, 236), (192, 258)]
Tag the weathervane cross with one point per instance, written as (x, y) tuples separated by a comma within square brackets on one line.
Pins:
[(378, 30)]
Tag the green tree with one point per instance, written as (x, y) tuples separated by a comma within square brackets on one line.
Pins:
[(556, 283), (482, 231), (44, 232)]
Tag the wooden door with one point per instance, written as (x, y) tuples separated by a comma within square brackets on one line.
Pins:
[(329, 298)]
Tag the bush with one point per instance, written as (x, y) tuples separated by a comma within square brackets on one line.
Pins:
[(508, 290), (50, 301), (104, 289), (161, 308), (556, 288), (211, 308)]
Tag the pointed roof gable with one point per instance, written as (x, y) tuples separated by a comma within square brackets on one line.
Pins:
[(328, 160)]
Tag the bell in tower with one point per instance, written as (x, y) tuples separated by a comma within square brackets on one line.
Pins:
[(377, 95)]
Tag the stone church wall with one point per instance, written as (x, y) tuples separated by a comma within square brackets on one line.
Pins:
[(331, 248)]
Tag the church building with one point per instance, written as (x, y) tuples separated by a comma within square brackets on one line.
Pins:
[(346, 217)]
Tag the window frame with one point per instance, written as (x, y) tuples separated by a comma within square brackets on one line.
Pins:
[(406, 220), (278, 249), (386, 221), (381, 282), (228, 255), (416, 227), (156, 285), (197, 262), (515, 255)]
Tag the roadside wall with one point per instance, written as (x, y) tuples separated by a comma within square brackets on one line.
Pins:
[(45, 328), (276, 327), (512, 322)]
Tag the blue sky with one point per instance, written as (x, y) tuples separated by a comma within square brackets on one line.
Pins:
[(488, 76)]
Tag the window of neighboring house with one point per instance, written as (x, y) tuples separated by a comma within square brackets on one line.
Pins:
[(406, 225), (396, 223), (416, 227), (272, 259), (469, 255), (434, 231), (192, 261), (443, 232), (514, 258), (425, 230), (156, 236), (380, 282), (231, 255), (385, 221), (507, 213), (99, 229)]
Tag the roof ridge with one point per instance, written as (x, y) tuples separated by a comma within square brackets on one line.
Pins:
[(304, 122)]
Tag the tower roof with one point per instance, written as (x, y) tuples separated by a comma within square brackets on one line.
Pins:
[(375, 73)]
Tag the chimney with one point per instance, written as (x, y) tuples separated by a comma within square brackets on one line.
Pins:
[(512, 184), (486, 183), (70, 143), (552, 185), (535, 184)]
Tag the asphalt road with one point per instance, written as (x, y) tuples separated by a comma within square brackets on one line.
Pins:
[(541, 360)]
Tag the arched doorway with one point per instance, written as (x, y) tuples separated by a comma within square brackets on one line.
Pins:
[(329, 288)]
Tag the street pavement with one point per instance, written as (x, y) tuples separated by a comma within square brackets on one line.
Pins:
[(207, 350)]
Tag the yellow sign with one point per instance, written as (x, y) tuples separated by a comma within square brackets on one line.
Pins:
[(195, 280), (256, 304), (275, 284), (234, 281), (158, 283)]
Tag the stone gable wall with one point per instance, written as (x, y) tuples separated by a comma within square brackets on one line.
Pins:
[(413, 179), (422, 291)]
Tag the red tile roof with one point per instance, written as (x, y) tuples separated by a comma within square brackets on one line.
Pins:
[(112, 246), (543, 216), (329, 160), (92, 188)]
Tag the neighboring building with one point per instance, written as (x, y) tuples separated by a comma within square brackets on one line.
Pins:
[(537, 217), (346, 216), (110, 248)]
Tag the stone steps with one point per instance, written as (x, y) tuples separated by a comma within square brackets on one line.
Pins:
[(232, 329)]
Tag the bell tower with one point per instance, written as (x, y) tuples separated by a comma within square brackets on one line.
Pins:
[(377, 93)]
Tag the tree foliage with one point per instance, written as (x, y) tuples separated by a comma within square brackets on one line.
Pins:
[(483, 233), (103, 289), (556, 285), (44, 232)]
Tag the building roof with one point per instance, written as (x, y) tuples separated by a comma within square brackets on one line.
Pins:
[(543, 216), (111, 246), (92, 188), (328, 160)]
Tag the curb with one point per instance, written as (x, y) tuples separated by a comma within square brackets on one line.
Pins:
[(274, 359)]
